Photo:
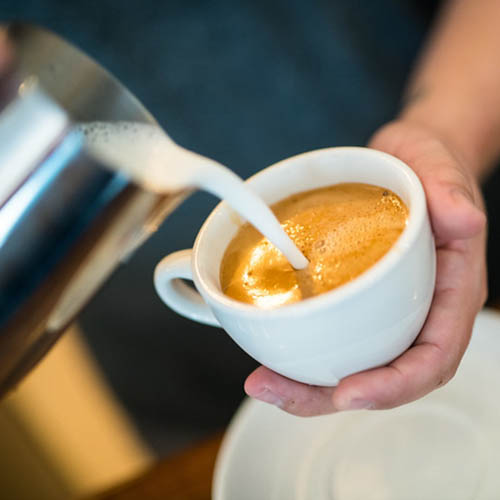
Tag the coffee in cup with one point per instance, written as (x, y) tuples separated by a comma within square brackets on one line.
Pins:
[(342, 230)]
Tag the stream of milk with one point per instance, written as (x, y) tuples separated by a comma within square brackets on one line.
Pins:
[(145, 153)]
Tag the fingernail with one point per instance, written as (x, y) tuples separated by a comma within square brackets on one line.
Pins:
[(269, 397), (357, 404)]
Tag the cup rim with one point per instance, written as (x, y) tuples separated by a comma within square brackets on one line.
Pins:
[(405, 242)]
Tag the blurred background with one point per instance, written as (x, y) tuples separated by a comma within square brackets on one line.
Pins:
[(247, 83)]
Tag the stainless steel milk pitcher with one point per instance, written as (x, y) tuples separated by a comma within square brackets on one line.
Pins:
[(66, 220)]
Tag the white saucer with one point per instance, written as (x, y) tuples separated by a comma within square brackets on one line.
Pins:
[(443, 447)]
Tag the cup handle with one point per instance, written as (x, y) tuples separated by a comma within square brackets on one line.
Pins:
[(179, 296)]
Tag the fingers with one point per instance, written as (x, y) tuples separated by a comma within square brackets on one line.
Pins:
[(423, 368), (429, 364), (291, 396)]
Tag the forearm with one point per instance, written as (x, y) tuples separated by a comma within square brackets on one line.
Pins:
[(455, 89)]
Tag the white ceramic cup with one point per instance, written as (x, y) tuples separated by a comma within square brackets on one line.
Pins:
[(362, 324)]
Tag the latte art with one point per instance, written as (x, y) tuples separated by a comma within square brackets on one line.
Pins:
[(342, 230)]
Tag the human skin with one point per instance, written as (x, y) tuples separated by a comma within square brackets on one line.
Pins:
[(449, 133)]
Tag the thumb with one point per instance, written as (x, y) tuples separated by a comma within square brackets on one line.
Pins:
[(452, 196), (454, 215)]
